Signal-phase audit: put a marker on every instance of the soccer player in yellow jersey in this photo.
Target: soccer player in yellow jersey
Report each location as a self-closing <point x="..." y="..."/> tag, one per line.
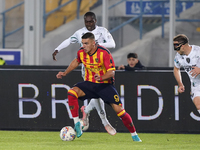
<point x="104" y="38"/>
<point x="99" y="74"/>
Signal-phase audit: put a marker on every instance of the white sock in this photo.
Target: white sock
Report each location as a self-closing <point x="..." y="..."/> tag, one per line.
<point x="100" y="107"/>
<point x="198" y="111"/>
<point x="90" y="106"/>
<point x="76" y="119"/>
<point x="134" y="133"/>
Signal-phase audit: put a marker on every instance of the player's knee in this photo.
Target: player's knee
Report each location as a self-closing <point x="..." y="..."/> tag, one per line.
<point x="198" y="107"/>
<point x="197" y="102"/>
<point x="72" y="93"/>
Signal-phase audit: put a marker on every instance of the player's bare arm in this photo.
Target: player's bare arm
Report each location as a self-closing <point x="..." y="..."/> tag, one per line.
<point x="109" y="74"/>
<point x="73" y="65"/>
<point x="195" y="71"/>
<point x="177" y="75"/>
<point x="54" y="54"/>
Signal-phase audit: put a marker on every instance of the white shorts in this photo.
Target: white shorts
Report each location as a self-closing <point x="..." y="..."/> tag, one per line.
<point x="195" y="91"/>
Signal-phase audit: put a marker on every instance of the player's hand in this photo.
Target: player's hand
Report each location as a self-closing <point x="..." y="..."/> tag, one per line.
<point x="195" y="71"/>
<point x="60" y="75"/>
<point x="181" y="89"/>
<point x="97" y="77"/>
<point x="54" y="54"/>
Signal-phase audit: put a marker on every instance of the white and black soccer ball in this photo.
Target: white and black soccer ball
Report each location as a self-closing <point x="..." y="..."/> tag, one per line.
<point x="84" y="128"/>
<point x="67" y="133"/>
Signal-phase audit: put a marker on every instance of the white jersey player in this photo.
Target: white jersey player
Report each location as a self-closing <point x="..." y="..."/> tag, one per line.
<point x="188" y="57"/>
<point x="104" y="38"/>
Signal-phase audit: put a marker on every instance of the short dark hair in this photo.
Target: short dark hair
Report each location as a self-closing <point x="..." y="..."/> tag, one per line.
<point x="134" y="55"/>
<point x="181" y="38"/>
<point x="88" y="35"/>
<point x="90" y="14"/>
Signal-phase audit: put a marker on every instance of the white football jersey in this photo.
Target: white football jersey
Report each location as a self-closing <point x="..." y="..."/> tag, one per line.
<point x="187" y="62"/>
<point x="102" y="37"/>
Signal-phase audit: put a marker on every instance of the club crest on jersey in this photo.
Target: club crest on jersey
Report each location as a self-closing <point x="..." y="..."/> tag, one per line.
<point x="97" y="60"/>
<point x="188" y="60"/>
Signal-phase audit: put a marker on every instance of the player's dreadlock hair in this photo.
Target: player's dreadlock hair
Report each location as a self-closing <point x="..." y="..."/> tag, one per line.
<point x="181" y="38"/>
<point x="90" y="14"/>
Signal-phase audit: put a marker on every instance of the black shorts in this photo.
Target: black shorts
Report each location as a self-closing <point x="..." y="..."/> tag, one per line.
<point x="105" y="91"/>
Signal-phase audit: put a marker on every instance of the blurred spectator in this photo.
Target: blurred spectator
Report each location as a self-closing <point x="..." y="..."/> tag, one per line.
<point x="2" y="61"/>
<point x="133" y="63"/>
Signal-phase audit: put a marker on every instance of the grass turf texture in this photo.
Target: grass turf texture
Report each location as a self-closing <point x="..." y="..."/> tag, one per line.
<point x="32" y="140"/>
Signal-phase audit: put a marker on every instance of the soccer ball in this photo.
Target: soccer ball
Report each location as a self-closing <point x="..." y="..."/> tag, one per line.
<point x="84" y="128"/>
<point x="67" y="133"/>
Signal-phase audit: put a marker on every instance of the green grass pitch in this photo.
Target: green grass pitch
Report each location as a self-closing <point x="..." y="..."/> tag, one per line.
<point x="40" y="140"/>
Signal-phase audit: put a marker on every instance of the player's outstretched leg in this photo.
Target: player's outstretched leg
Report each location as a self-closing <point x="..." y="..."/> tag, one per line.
<point x="127" y="121"/>
<point x="100" y="107"/>
<point x="98" y="104"/>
